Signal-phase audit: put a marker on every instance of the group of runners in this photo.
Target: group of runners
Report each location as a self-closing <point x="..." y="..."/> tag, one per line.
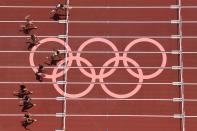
<point x="24" y="94"/>
<point x="57" y="14"/>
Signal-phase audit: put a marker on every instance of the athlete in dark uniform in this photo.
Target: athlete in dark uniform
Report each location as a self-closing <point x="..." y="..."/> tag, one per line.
<point x="22" y="92"/>
<point x="26" y="103"/>
<point x="28" y="120"/>
<point x="28" y="26"/>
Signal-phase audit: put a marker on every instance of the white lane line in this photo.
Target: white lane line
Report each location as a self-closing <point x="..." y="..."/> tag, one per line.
<point x="98" y="115"/>
<point x="2" y="115"/>
<point x="149" y="116"/>
<point x="29" y="67"/>
<point x="120" y="7"/>
<point x="129" y="22"/>
<point x="92" y="67"/>
<point x="79" y="83"/>
<point x="103" y="7"/>
<point x="108" y="36"/>
<point x="33" y="7"/>
<point x="101" y="52"/>
<point x="129" y="37"/>
<point x="100" y="22"/>
<point x="31" y="98"/>
<point x="22" y="21"/>
<point x="25" y="36"/>
<point x="26" y="52"/>
<point x="93" y="7"/>
<point x="92" y="115"/>
<point x="103" y="99"/>
<point x="98" y="83"/>
<point x="120" y="22"/>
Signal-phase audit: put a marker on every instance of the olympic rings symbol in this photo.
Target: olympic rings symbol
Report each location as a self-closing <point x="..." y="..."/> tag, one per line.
<point x="102" y="73"/>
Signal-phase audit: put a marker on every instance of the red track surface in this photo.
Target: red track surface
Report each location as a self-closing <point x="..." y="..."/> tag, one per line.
<point x="105" y="107"/>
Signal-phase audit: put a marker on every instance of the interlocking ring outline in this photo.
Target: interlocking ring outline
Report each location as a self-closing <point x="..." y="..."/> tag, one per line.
<point x="135" y="90"/>
<point x="32" y="54"/>
<point x="55" y="75"/>
<point x="90" y="41"/>
<point x="83" y="93"/>
<point x="101" y="74"/>
<point x="157" y="44"/>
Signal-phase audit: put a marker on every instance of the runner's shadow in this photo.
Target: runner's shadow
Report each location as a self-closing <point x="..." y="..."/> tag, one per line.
<point x="27" y="31"/>
<point x="25" y="108"/>
<point x="57" y="16"/>
<point x="30" y="45"/>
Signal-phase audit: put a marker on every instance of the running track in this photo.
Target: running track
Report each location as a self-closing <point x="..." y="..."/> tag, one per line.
<point x="111" y="114"/>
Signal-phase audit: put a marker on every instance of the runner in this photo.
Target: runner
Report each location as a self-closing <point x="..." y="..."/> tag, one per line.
<point x="59" y="11"/>
<point x="28" y="120"/>
<point x="26" y="103"/>
<point x="55" y="57"/>
<point x="22" y="92"/>
<point x="29" y="25"/>
<point x="41" y="69"/>
<point x="39" y="76"/>
<point x="32" y="41"/>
